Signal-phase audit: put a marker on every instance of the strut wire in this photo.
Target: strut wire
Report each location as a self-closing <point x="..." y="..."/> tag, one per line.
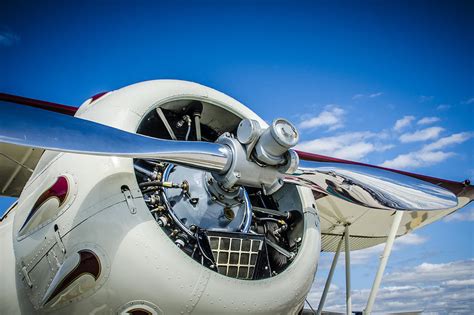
<point x="312" y="309"/>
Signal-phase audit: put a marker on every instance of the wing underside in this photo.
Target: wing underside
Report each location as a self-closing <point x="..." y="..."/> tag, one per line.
<point x="369" y="227"/>
<point x="17" y="163"/>
<point x="16" y="166"/>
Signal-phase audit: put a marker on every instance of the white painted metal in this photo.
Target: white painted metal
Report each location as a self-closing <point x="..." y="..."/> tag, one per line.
<point x="383" y="261"/>
<point x="329" y="279"/>
<point x="348" y="270"/>
<point x="9" y="299"/>
<point x="139" y="260"/>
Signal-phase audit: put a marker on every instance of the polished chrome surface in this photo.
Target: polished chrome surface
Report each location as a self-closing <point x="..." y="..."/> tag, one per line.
<point x="31" y="127"/>
<point x="207" y="211"/>
<point x="275" y="141"/>
<point x="372" y="187"/>
<point x="245" y="172"/>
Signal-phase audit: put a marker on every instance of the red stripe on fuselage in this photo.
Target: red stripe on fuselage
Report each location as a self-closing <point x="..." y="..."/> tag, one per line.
<point x="59" y="108"/>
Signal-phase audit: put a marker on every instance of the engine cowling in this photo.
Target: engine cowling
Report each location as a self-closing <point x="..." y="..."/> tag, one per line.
<point x="118" y="220"/>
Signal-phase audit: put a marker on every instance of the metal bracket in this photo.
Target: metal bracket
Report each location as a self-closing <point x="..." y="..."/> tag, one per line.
<point x="281" y="250"/>
<point x="129" y="199"/>
<point x="24" y="271"/>
<point x="59" y="241"/>
<point x="165" y="122"/>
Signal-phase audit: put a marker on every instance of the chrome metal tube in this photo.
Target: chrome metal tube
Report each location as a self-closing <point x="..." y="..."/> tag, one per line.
<point x="197" y="123"/>
<point x="144" y="171"/>
<point x="188" y="131"/>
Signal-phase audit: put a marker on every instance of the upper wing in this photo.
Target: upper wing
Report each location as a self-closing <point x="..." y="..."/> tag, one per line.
<point x="369" y="227"/>
<point x="17" y="163"/>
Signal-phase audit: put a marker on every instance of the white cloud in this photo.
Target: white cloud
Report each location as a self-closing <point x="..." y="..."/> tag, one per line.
<point x="8" y="38"/>
<point x="417" y="159"/>
<point x="421" y="135"/>
<point x="443" y="107"/>
<point x="428" y="287"/>
<point x="441" y="143"/>
<point x="428" y="272"/>
<point x="456" y="283"/>
<point x="355" y="151"/>
<point x="331" y="117"/>
<point x="354" y="146"/>
<point x="364" y="256"/>
<point x="403" y="122"/>
<point x="424" y="98"/>
<point x="428" y="120"/>
<point x="469" y="101"/>
<point x="432" y="288"/>
<point x="466" y="214"/>
<point x="430" y="154"/>
<point x="372" y="95"/>
<point x="410" y="239"/>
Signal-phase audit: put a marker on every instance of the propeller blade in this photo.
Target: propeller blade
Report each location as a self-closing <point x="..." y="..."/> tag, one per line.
<point x="372" y="187"/>
<point x="363" y="185"/>
<point x="36" y="128"/>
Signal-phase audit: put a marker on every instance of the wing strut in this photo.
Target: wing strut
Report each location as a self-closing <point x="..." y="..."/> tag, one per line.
<point x="329" y="279"/>
<point x="383" y="261"/>
<point x="347" y="251"/>
<point x="397" y="217"/>
<point x="348" y="270"/>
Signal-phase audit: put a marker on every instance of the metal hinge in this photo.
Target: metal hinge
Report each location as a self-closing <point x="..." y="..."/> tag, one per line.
<point x="59" y="241"/>
<point x="25" y="273"/>
<point x="129" y="199"/>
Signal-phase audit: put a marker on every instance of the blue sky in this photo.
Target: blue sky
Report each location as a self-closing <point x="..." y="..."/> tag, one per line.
<point x="345" y="72"/>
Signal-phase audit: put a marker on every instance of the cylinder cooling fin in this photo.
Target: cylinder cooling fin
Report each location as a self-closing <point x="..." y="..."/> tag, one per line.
<point x="238" y="231"/>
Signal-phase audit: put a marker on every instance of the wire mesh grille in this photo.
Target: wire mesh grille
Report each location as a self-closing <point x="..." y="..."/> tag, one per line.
<point x="235" y="257"/>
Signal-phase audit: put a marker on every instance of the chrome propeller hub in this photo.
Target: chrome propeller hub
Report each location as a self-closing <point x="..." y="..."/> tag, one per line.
<point x="204" y="204"/>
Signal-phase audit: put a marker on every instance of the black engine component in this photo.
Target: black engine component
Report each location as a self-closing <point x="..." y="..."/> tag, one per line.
<point x="240" y="255"/>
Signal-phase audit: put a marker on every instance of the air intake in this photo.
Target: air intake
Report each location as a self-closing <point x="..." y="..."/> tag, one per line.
<point x="239" y="255"/>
